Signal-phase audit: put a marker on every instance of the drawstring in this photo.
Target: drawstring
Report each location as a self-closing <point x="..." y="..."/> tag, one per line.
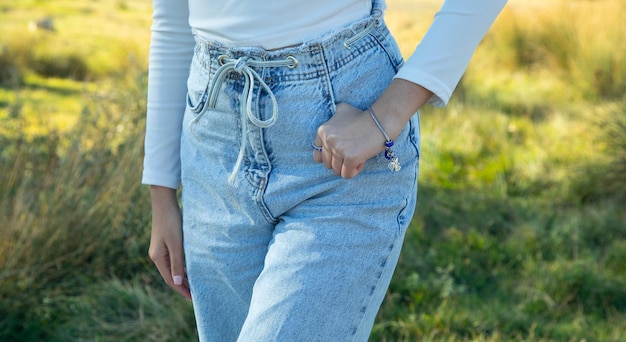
<point x="243" y="66"/>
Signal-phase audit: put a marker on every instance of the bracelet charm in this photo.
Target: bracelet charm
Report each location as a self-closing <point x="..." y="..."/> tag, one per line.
<point x="394" y="163"/>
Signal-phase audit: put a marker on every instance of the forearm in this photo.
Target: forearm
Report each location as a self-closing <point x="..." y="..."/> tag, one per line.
<point x="163" y="199"/>
<point x="437" y="63"/>
<point x="398" y="103"/>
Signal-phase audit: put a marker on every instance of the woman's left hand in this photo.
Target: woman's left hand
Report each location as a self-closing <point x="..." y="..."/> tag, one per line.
<point x="351" y="137"/>
<point x="348" y="139"/>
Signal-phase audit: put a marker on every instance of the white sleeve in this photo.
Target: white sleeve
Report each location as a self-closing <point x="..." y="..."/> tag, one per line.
<point x="171" y="50"/>
<point x="442" y="56"/>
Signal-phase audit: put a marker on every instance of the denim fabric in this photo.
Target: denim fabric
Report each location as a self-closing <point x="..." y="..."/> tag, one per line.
<point x="290" y="251"/>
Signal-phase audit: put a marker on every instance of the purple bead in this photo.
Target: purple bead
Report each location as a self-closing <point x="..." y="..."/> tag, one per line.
<point x="389" y="143"/>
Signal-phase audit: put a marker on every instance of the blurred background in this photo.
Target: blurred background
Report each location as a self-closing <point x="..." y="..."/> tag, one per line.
<point x="520" y="230"/>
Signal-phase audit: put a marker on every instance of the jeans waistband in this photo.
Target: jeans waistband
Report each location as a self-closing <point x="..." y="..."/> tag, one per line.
<point x="246" y="61"/>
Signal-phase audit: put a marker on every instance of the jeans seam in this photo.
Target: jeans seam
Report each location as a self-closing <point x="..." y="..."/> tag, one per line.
<point x="375" y="284"/>
<point x="260" y="201"/>
<point x="328" y="84"/>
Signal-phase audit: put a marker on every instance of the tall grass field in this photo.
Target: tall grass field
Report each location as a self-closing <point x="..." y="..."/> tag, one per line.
<point x="520" y="230"/>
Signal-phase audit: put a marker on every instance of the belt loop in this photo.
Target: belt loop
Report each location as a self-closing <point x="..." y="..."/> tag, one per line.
<point x="364" y="31"/>
<point x="378" y="8"/>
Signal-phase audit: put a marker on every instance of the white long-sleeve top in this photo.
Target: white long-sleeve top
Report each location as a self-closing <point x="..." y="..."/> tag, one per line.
<point x="437" y="63"/>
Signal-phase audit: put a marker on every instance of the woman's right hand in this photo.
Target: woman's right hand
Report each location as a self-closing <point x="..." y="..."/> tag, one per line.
<point x="166" y="240"/>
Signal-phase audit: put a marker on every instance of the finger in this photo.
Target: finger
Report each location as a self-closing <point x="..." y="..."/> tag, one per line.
<point x="183" y="289"/>
<point x="317" y="155"/>
<point x="348" y="172"/>
<point x="179" y="276"/>
<point x="161" y="259"/>
<point x="351" y="167"/>
<point x="159" y="256"/>
<point x="337" y="165"/>
<point x="176" y="265"/>
<point x="327" y="158"/>
<point x="162" y="264"/>
<point x="359" y="167"/>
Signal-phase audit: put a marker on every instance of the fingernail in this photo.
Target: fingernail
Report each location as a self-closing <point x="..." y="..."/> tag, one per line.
<point x="178" y="280"/>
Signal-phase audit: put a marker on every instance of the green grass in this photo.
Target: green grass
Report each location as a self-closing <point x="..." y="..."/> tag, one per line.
<point x="520" y="230"/>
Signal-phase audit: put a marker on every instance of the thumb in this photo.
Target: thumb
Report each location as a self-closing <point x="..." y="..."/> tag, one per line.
<point x="177" y="265"/>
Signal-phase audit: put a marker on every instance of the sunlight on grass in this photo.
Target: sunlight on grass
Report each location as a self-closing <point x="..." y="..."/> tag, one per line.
<point x="578" y="49"/>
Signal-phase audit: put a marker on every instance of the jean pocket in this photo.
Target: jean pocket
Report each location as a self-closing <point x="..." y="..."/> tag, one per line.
<point x="197" y="86"/>
<point x="389" y="45"/>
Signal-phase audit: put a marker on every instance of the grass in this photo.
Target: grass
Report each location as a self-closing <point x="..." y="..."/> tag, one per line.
<point x="520" y="230"/>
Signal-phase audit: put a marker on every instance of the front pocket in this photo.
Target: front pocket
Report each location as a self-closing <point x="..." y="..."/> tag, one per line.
<point x="198" y="86"/>
<point x="197" y="102"/>
<point x="388" y="44"/>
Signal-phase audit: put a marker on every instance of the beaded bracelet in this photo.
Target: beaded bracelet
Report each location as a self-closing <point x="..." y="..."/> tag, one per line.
<point x="394" y="163"/>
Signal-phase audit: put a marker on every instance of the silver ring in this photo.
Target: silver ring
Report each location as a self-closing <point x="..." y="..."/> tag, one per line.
<point x="316" y="148"/>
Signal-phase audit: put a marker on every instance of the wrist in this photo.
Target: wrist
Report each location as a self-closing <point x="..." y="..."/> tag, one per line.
<point x="163" y="197"/>
<point x="398" y="103"/>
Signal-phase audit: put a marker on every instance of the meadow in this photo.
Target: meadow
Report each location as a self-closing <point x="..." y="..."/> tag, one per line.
<point x="520" y="229"/>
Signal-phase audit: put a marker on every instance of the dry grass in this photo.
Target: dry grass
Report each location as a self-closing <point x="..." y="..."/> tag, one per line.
<point x="519" y="234"/>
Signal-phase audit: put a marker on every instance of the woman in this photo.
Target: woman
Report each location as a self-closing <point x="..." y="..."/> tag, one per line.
<point x="292" y="127"/>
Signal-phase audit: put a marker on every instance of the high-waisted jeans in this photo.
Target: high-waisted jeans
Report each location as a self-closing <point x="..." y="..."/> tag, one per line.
<point x="277" y="247"/>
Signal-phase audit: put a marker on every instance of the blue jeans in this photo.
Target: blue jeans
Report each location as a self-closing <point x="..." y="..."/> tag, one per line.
<point x="288" y="251"/>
